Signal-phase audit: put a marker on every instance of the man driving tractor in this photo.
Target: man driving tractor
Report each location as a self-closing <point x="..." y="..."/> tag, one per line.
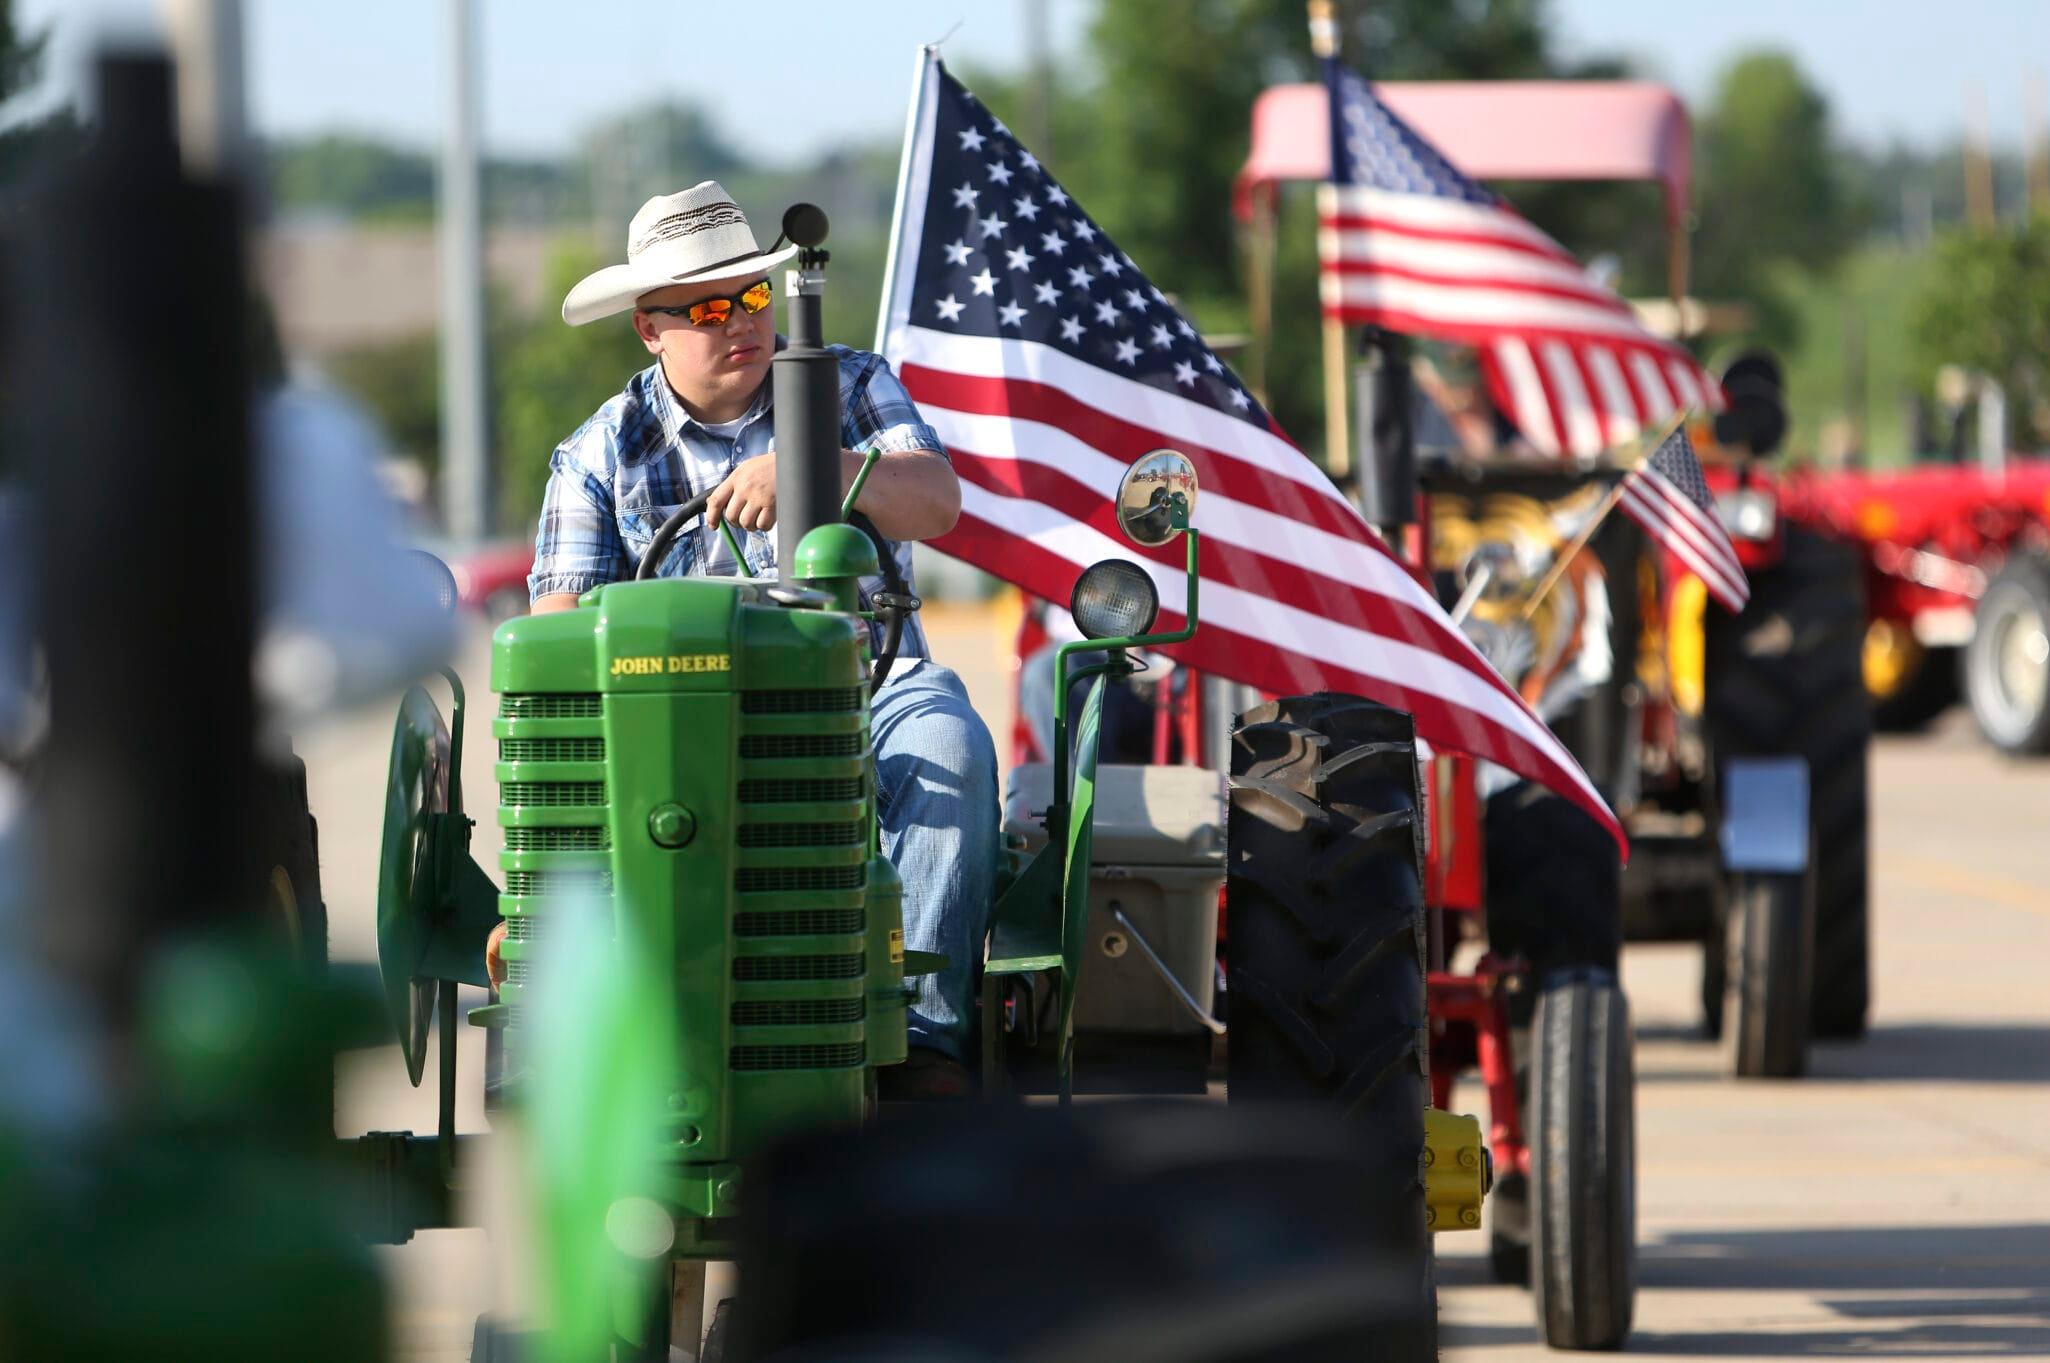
<point x="699" y="289"/>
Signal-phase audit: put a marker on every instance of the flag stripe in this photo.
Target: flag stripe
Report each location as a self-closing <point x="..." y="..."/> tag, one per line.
<point x="1227" y="561"/>
<point x="1240" y="634"/>
<point x="1366" y="207"/>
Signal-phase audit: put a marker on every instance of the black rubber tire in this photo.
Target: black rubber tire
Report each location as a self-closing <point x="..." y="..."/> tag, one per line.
<point x="1934" y="686"/>
<point x="1554" y="880"/>
<point x="1325" y="932"/>
<point x="1771" y="939"/>
<point x="1137" y="1231"/>
<point x="1582" y="1128"/>
<point x="719" y="1338"/>
<point x="1786" y="678"/>
<point x="2018" y="597"/>
<point x="290" y="843"/>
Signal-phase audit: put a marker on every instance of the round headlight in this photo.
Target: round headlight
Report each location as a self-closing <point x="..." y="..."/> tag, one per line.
<point x="1114" y="599"/>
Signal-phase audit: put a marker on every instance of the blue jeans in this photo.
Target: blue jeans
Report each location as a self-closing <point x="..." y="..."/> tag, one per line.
<point x="936" y="796"/>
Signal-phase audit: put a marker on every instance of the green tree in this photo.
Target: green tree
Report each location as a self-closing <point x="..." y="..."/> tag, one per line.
<point x="1772" y="195"/>
<point x="1986" y="306"/>
<point x="23" y="141"/>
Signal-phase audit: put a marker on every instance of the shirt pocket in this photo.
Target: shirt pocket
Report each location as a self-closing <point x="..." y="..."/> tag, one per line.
<point x="637" y="526"/>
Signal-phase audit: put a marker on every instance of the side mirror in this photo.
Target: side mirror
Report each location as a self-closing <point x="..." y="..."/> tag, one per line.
<point x="1157" y="497"/>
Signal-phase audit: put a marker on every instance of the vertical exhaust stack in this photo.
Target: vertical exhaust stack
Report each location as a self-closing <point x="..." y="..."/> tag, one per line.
<point x="807" y="382"/>
<point x="1387" y="433"/>
<point x="126" y="346"/>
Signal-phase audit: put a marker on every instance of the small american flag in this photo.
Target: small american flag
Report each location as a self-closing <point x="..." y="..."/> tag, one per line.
<point x="1048" y="362"/>
<point x="1667" y="495"/>
<point x="1408" y="242"/>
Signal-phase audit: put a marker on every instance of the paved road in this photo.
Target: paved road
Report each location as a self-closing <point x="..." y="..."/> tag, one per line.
<point x="1896" y="1202"/>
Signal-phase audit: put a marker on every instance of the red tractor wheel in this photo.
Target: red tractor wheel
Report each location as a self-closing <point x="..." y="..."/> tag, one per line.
<point x="2007" y="664"/>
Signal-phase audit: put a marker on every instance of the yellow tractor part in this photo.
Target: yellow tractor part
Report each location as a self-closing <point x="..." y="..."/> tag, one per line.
<point x="1457" y="1170"/>
<point x="1686" y="652"/>
<point x="1892" y="657"/>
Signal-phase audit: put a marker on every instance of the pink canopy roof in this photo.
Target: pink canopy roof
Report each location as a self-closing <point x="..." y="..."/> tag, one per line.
<point x="1491" y="130"/>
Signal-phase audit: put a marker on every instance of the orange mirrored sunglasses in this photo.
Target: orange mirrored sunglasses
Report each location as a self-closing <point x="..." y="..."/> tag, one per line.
<point x="716" y="312"/>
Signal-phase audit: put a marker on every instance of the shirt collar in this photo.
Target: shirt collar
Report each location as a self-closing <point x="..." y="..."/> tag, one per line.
<point x="676" y="422"/>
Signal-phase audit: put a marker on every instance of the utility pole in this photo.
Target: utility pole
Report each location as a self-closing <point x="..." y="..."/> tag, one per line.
<point x="1042" y="79"/>
<point x="465" y="475"/>
<point x="2037" y="148"/>
<point x="1979" y="208"/>
<point x="213" y="112"/>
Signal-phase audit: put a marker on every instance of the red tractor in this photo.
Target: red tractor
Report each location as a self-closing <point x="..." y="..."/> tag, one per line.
<point x="1957" y="588"/>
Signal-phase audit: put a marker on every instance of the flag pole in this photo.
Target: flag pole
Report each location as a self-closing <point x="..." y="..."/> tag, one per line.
<point x="1337" y="437"/>
<point x="1594" y="522"/>
<point x="926" y="53"/>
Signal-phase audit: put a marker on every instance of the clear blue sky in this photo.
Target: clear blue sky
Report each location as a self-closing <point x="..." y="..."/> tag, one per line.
<point x="824" y="71"/>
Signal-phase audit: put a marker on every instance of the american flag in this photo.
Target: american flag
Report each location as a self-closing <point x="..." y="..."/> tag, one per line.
<point x="1048" y="362"/>
<point x="1667" y="495"/>
<point x="1407" y="242"/>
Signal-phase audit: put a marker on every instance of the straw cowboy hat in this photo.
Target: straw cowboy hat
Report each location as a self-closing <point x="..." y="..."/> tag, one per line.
<point x="683" y="238"/>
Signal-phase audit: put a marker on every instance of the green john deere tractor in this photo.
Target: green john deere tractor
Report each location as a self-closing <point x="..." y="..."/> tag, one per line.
<point x="705" y="958"/>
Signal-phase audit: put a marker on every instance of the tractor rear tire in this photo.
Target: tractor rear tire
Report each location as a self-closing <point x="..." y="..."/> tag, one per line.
<point x="290" y="855"/>
<point x="1583" y="1216"/>
<point x="1786" y="678"/>
<point x="1325" y="948"/>
<point x="1770" y="949"/>
<point x="2007" y="664"/>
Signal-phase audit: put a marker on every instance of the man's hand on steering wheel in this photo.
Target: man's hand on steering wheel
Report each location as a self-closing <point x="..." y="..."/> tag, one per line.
<point x="748" y="496"/>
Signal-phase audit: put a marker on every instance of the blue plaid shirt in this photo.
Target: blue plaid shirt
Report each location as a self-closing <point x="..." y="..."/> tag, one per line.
<point x="641" y="456"/>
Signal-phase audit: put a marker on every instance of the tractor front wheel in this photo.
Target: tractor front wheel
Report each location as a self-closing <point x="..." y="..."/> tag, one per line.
<point x="2007" y="664"/>
<point x="1769" y="948"/>
<point x="1583" y="1214"/>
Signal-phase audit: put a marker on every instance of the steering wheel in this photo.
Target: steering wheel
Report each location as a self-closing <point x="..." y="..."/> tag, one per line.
<point x="892" y="605"/>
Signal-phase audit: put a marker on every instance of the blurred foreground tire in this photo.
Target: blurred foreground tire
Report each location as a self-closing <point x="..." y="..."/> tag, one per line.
<point x="1126" y="1233"/>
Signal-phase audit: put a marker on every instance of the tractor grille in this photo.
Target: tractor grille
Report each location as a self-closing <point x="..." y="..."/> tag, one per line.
<point x="800" y="792"/>
<point x="553" y="794"/>
<point x="547" y="867"/>
<point x="799" y="923"/>
<point x="558" y="882"/>
<point x="839" y="1056"/>
<point x="551" y="750"/>
<point x="773" y="746"/>
<point x="596" y="839"/>
<point x="770" y="879"/>
<point x="565" y="706"/>
<point x="851" y="966"/>
<point x="806" y="748"/>
<point x="802" y="702"/>
<point x="798" y="1012"/>
<point x="800" y="835"/>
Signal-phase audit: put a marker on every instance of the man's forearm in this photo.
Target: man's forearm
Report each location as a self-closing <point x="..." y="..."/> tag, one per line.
<point x="910" y="495"/>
